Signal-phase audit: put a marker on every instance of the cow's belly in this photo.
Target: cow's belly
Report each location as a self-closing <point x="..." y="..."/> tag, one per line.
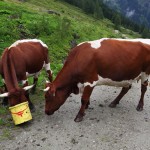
<point x="123" y="83"/>
<point x="110" y="82"/>
<point x="32" y="74"/>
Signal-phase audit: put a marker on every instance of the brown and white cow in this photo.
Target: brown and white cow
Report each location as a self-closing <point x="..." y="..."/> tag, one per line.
<point x="22" y="59"/>
<point x="113" y="62"/>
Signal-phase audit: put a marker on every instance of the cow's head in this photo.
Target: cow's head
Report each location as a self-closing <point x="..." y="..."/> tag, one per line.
<point x="16" y="96"/>
<point x="54" y="97"/>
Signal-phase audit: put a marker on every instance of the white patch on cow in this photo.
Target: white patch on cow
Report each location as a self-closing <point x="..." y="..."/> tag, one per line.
<point x="91" y="84"/>
<point x="109" y="82"/>
<point x="33" y="74"/>
<point x="144" y="77"/>
<point x="29" y="74"/>
<point x="97" y="44"/>
<point x="94" y="44"/>
<point x="27" y="40"/>
<point x="81" y="87"/>
<point x="81" y="43"/>
<point x="47" y="67"/>
<point x="24" y="81"/>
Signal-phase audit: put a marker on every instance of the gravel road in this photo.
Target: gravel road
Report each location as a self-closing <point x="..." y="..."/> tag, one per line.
<point x="103" y="128"/>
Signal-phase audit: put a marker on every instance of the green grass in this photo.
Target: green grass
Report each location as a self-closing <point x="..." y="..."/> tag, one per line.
<point x="31" y="20"/>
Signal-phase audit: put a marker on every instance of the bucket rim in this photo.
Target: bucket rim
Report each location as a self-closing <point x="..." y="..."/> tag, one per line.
<point x="12" y="107"/>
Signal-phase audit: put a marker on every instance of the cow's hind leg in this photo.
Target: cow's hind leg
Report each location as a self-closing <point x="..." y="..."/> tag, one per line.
<point x="143" y="90"/>
<point x="84" y="103"/>
<point x="48" y="71"/>
<point x="31" y="106"/>
<point x="119" y="97"/>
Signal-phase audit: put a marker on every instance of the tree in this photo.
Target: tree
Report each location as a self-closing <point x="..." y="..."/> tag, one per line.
<point x="98" y="12"/>
<point x="88" y="6"/>
<point x="145" y="33"/>
<point x="117" y="20"/>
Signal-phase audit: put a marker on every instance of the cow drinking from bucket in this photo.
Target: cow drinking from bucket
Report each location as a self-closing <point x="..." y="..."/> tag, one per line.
<point x="20" y="60"/>
<point x="113" y="62"/>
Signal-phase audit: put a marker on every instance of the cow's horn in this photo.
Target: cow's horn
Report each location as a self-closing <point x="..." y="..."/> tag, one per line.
<point x="4" y="94"/>
<point x="47" y="81"/>
<point x="28" y="87"/>
<point x="45" y="90"/>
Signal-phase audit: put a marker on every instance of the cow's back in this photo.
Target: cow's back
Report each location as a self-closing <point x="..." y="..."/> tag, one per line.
<point x="29" y="57"/>
<point x="119" y="60"/>
<point x="113" y="59"/>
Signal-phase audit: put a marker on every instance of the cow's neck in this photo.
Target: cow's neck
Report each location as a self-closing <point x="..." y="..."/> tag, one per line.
<point x="65" y="79"/>
<point x="9" y="71"/>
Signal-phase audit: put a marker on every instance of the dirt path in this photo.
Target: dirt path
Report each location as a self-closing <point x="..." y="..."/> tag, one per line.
<point x="103" y="128"/>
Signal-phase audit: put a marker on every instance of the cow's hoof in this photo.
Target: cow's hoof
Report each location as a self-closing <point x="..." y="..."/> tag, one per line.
<point x="32" y="107"/>
<point x="47" y="112"/>
<point x="112" y="105"/>
<point x="139" y="108"/>
<point x="78" y="118"/>
<point x="87" y="106"/>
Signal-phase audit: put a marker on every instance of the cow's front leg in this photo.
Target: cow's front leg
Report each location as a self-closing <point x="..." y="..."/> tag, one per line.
<point x="87" y="105"/>
<point x="119" y="97"/>
<point x="5" y="99"/>
<point x="141" y="102"/>
<point x="31" y="106"/>
<point x="35" y="80"/>
<point x="84" y="103"/>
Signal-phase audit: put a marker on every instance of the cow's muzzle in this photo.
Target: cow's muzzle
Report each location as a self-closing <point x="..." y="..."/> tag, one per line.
<point x="49" y="112"/>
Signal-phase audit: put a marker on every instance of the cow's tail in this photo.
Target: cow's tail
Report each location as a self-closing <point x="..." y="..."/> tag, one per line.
<point x="9" y="71"/>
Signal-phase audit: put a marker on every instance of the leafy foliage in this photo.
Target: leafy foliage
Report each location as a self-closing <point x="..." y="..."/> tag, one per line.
<point x="99" y="10"/>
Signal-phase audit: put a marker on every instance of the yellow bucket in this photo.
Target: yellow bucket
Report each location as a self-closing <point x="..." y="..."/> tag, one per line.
<point x="20" y="113"/>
